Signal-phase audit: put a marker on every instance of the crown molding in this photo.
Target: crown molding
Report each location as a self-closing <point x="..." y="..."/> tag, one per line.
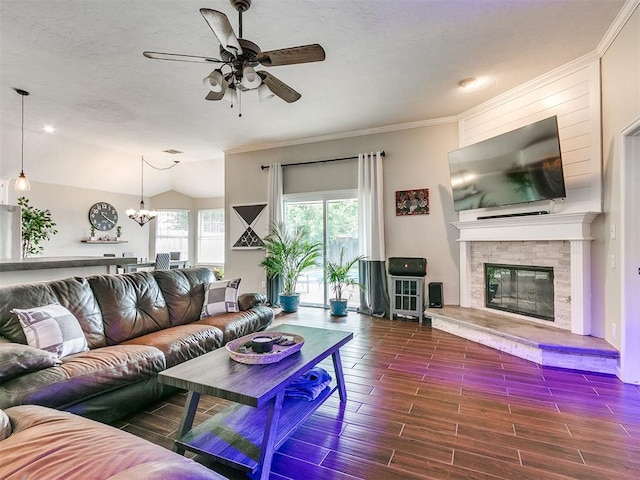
<point x="342" y="135"/>
<point x="623" y="17"/>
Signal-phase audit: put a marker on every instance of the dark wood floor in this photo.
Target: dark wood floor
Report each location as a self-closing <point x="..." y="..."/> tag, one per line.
<point x="426" y="404"/>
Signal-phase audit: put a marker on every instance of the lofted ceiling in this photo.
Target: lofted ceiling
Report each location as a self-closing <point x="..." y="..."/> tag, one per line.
<point x="388" y="62"/>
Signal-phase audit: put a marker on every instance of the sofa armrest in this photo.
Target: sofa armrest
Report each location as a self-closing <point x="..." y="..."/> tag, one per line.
<point x="250" y="300"/>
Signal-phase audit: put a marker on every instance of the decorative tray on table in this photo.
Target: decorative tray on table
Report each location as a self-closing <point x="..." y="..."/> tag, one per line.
<point x="283" y="344"/>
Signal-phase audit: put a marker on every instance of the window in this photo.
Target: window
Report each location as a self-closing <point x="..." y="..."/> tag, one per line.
<point x="211" y="236"/>
<point x="172" y="232"/>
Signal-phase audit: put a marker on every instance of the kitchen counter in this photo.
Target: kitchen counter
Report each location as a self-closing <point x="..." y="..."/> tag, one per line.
<point x="40" y="269"/>
<point x="45" y="263"/>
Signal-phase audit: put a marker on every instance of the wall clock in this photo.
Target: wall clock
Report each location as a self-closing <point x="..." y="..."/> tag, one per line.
<point x="103" y="216"/>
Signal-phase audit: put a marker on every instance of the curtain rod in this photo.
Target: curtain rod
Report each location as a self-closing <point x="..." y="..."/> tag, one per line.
<point x="266" y="167"/>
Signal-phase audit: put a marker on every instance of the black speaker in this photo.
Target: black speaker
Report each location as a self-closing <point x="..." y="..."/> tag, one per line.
<point x="435" y="295"/>
<point x="408" y="266"/>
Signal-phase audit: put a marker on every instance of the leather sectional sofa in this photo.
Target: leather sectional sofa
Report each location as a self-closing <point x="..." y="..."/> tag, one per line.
<point x="135" y="325"/>
<point x="40" y="443"/>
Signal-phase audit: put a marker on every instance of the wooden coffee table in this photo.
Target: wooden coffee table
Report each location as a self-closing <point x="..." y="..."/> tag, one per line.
<point x="246" y="434"/>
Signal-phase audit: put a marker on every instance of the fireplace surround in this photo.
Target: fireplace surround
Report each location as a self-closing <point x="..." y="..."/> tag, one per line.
<point x="560" y="241"/>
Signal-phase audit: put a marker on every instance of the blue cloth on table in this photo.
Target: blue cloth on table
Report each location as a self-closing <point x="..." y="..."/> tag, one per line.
<point x="309" y="385"/>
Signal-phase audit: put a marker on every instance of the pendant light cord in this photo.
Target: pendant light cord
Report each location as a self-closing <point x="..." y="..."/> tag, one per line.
<point x="142" y="180"/>
<point x="22" y="140"/>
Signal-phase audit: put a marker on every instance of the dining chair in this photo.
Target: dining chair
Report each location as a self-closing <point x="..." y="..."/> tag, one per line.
<point x="175" y="255"/>
<point x="109" y="255"/>
<point x="163" y="261"/>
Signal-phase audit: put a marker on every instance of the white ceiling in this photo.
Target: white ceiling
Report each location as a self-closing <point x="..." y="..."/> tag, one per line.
<point x="388" y="62"/>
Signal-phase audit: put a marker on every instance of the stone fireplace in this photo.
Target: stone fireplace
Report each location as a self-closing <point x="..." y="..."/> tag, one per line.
<point x="541" y="253"/>
<point x="559" y="242"/>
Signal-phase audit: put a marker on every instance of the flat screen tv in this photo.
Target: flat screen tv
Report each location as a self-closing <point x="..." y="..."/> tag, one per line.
<point x="520" y="166"/>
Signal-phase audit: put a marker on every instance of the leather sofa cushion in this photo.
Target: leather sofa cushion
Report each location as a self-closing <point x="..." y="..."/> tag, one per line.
<point x="236" y="325"/>
<point x="183" y="342"/>
<point x="49" y="444"/>
<point x="183" y="290"/>
<point x="82" y="376"/>
<point x="132" y="305"/>
<point x="16" y="359"/>
<point x="72" y="293"/>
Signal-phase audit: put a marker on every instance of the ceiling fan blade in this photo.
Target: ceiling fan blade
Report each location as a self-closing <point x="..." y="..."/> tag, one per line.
<point x="215" y="95"/>
<point x="221" y="28"/>
<point x="289" y="56"/>
<point x="282" y="90"/>
<point x="180" y="58"/>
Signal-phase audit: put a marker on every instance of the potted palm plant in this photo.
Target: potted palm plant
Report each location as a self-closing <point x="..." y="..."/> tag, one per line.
<point x="337" y="276"/>
<point x="289" y="252"/>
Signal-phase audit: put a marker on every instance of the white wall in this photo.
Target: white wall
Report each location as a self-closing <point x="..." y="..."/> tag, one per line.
<point x="620" y="107"/>
<point x="70" y="208"/>
<point x="70" y="211"/>
<point x="416" y="158"/>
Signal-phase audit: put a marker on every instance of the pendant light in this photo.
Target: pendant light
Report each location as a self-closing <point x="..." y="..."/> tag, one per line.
<point x="22" y="183"/>
<point x="142" y="215"/>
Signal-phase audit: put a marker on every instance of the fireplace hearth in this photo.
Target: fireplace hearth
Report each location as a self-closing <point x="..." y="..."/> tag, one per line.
<point x="525" y="290"/>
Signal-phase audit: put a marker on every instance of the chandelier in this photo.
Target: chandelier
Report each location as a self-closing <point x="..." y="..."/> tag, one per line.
<point x="142" y="215"/>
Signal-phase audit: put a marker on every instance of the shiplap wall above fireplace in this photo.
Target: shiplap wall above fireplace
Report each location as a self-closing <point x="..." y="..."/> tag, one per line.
<point x="573" y="94"/>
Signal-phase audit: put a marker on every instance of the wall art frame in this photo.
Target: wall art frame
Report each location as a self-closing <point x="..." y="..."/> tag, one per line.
<point x="412" y="202"/>
<point x="248" y="225"/>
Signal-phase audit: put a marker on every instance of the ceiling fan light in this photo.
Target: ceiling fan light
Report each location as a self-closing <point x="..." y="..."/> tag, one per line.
<point x="230" y="95"/>
<point x="264" y="93"/>
<point x="214" y="81"/>
<point x="250" y="79"/>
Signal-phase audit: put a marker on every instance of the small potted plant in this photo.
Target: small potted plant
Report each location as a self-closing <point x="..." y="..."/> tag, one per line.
<point x="92" y="234"/>
<point x="118" y="232"/>
<point x="337" y="276"/>
<point x="218" y="272"/>
<point x="289" y="253"/>
<point x="37" y="227"/>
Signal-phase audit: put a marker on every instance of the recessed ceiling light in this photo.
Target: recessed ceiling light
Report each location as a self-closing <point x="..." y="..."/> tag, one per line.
<point x="49" y="129"/>
<point x="467" y="82"/>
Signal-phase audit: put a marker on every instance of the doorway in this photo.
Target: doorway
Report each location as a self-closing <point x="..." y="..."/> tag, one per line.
<point x="630" y="254"/>
<point x="332" y="219"/>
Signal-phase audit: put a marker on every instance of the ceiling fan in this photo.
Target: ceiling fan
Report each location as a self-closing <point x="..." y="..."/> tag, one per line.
<point x="235" y="73"/>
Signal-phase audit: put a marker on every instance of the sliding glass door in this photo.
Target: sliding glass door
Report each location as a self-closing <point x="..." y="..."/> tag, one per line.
<point x="332" y="219"/>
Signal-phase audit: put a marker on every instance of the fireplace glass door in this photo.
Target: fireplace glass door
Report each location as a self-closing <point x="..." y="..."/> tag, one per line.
<point x="520" y="289"/>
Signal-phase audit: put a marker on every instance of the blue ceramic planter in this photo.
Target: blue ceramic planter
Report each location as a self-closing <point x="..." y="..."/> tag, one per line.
<point x="338" y="307"/>
<point x="289" y="303"/>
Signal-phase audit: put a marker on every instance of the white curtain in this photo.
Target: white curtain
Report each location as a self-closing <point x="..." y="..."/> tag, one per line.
<point x="274" y="193"/>
<point x="374" y="298"/>
<point x="275" y="210"/>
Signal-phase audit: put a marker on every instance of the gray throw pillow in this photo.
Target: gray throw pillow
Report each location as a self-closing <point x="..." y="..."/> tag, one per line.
<point x="220" y="297"/>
